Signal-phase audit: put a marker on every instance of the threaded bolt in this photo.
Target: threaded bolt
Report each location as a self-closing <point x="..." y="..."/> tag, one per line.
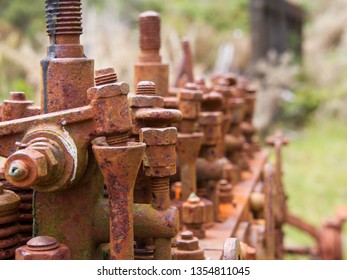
<point x="64" y="17"/>
<point x="105" y="76"/>
<point x="150" y="31"/>
<point x="145" y="88"/>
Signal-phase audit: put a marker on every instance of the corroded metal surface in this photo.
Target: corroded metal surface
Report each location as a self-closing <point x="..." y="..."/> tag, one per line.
<point x="43" y="248"/>
<point x="149" y="66"/>
<point x="187" y="247"/>
<point x="91" y="134"/>
<point x="9" y="227"/>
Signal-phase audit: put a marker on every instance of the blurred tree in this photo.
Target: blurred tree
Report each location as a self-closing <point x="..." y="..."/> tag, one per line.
<point x="24" y="15"/>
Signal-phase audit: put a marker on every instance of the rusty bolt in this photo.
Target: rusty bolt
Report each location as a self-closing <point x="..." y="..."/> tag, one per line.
<point x="160" y="156"/>
<point x="147" y="109"/>
<point x="149" y="66"/>
<point x="145" y="88"/>
<point x="26" y="167"/>
<point x="105" y="76"/>
<point x="188" y="247"/>
<point x="145" y="97"/>
<point x="40" y="161"/>
<point x="211" y="126"/>
<point x="110" y="103"/>
<point x="187" y="242"/>
<point x="190" y="99"/>
<point x="43" y="248"/>
<point x="193" y="211"/>
<point x="150" y="31"/>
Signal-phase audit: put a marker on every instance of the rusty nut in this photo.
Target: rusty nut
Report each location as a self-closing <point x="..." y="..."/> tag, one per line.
<point x="160" y="155"/>
<point x="108" y="90"/>
<point x="111" y="109"/>
<point x="187" y="242"/>
<point x="211" y="126"/>
<point x="26" y="168"/>
<point x="190" y="99"/>
<point x="193" y="211"/>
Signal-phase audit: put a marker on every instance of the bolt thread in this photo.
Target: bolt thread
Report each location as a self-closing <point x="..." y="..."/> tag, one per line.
<point x="105" y="76"/>
<point x="63" y="17"/>
<point x="160" y="185"/>
<point x="116" y="140"/>
<point x="146" y="88"/>
<point x="150" y="31"/>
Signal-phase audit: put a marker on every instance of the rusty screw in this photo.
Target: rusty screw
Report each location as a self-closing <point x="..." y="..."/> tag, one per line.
<point x="43" y="248"/>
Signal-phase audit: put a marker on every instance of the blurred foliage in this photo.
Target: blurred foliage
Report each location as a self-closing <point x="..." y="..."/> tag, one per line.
<point x="306" y="101"/>
<point x="221" y="15"/>
<point x="24" y="15"/>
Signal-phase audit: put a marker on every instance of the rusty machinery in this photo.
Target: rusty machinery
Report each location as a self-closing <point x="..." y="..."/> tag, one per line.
<point x="327" y="237"/>
<point x="91" y="174"/>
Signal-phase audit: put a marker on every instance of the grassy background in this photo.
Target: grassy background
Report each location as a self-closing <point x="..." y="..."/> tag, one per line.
<point x="315" y="175"/>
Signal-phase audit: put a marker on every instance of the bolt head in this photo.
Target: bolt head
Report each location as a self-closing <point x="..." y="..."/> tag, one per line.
<point x="193" y="213"/>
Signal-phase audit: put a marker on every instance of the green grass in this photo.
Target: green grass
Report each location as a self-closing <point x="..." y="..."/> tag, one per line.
<point x="315" y="175"/>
